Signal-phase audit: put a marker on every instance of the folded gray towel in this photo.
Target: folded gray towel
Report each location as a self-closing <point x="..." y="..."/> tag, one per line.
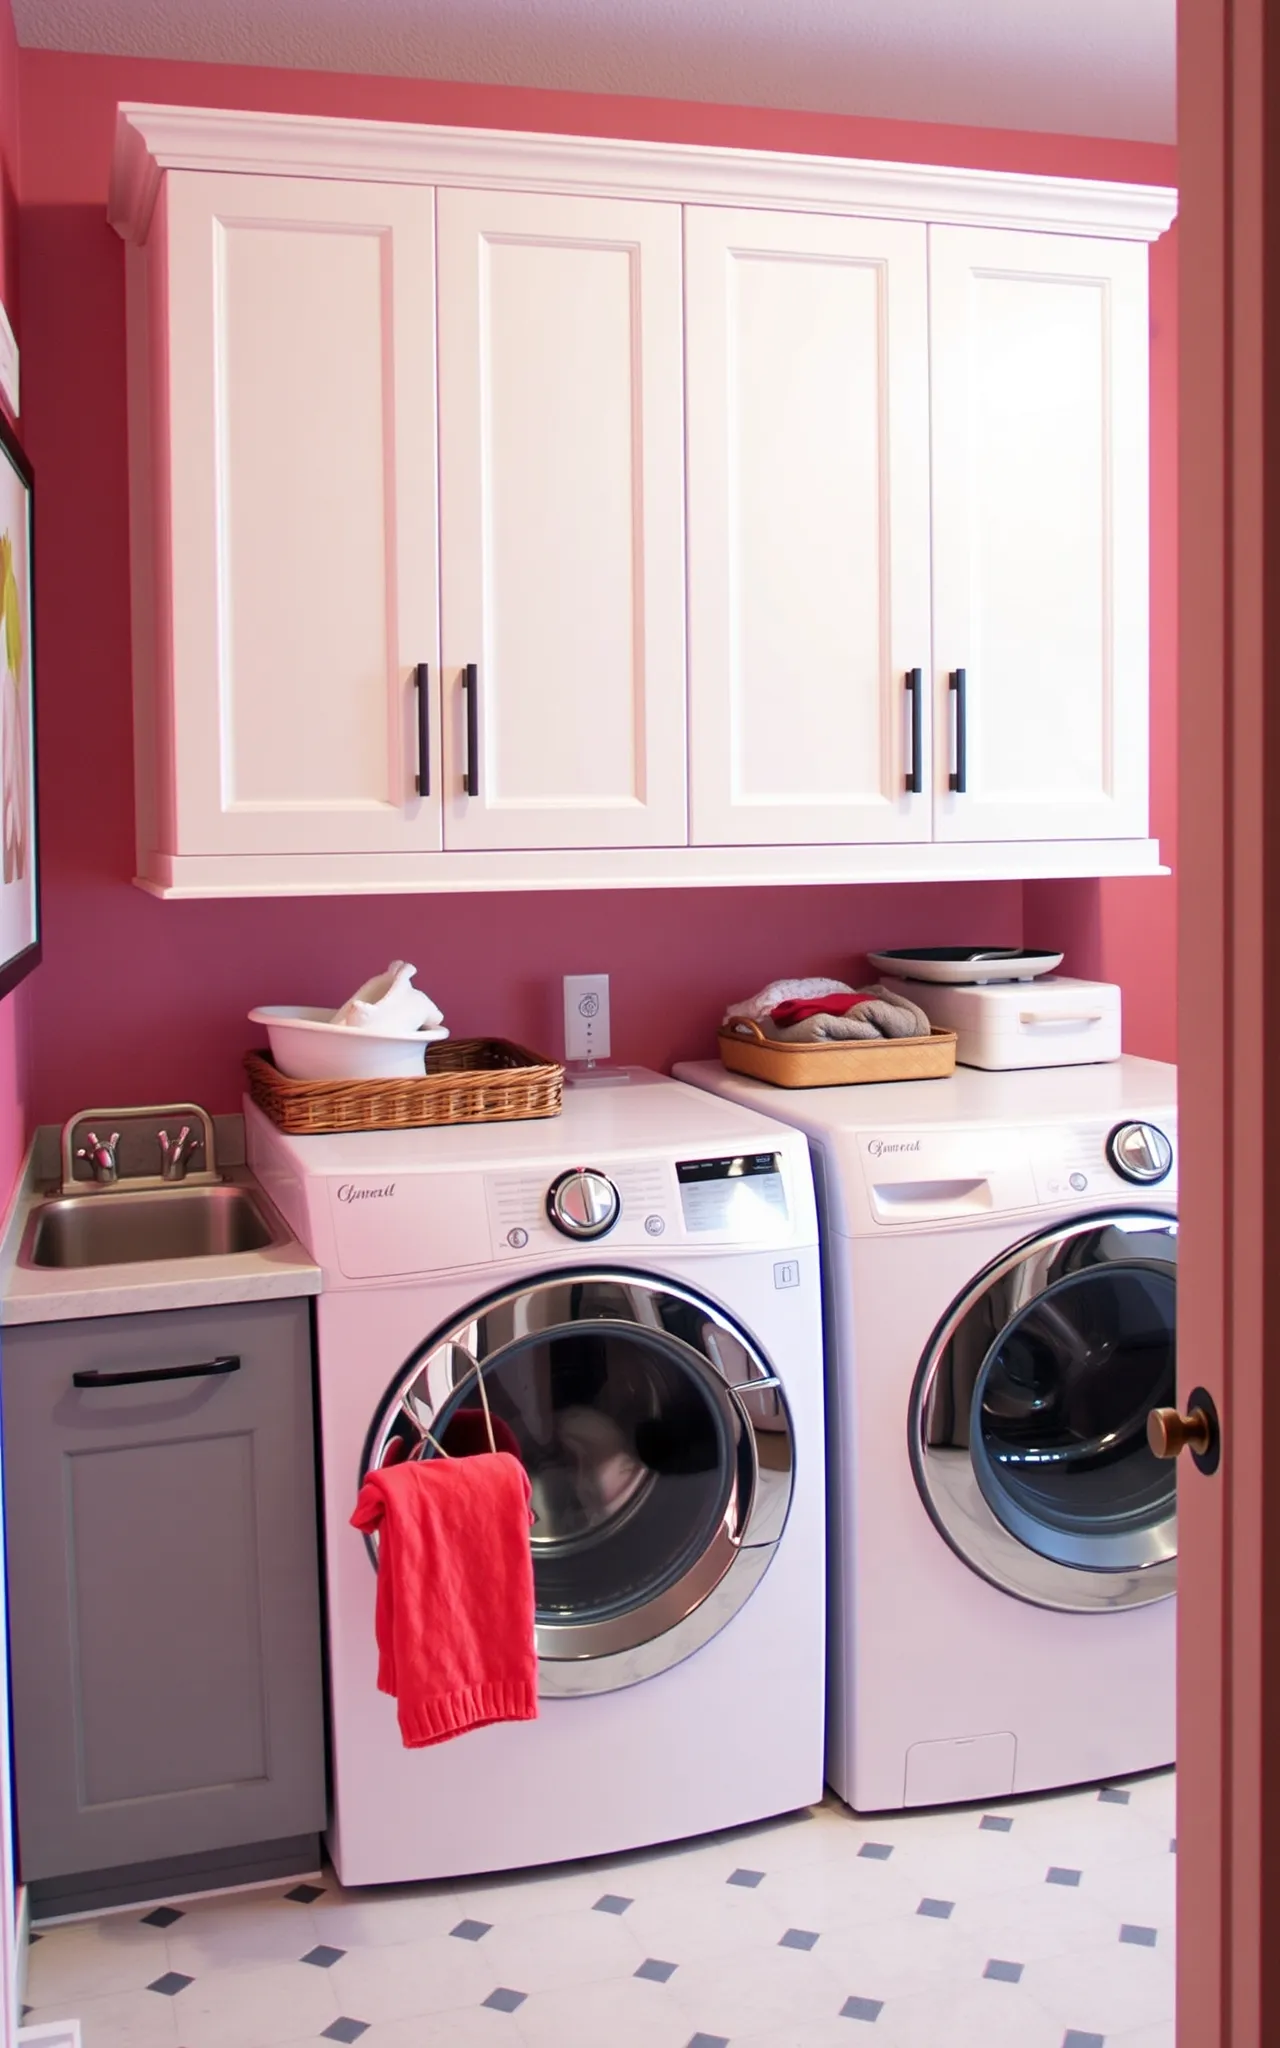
<point x="889" y="1016"/>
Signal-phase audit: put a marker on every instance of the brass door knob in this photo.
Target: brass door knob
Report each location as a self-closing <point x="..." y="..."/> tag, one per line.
<point x="1168" y="1432"/>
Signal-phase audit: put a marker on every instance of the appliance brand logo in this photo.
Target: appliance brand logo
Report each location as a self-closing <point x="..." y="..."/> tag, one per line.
<point x="348" y="1192"/>
<point x="879" y="1147"/>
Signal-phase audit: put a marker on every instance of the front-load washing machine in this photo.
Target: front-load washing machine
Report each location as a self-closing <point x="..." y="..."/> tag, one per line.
<point x="637" y="1284"/>
<point x="1000" y="1254"/>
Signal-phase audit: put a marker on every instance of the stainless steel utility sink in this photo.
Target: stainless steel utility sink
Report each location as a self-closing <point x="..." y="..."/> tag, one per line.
<point x="120" y="1228"/>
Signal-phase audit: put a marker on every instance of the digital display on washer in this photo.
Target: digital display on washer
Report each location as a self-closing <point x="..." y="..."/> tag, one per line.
<point x="742" y="1193"/>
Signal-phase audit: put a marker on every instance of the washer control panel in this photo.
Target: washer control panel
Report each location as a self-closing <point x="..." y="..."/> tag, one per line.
<point x="583" y="1203"/>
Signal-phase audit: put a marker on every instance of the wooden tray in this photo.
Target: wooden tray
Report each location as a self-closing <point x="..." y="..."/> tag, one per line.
<point x="838" y="1062"/>
<point x="467" y="1081"/>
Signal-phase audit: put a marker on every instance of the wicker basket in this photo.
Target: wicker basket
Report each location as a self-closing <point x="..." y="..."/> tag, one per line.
<point x="835" y="1062"/>
<point x="467" y="1081"/>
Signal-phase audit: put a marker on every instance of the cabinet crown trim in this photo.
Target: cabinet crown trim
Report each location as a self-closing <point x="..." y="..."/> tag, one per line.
<point x="151" y="140"/>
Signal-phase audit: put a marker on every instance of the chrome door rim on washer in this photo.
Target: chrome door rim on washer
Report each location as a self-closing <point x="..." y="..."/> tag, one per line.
<point x="733" y="1379"/>
<point x="1106" y="1576"/>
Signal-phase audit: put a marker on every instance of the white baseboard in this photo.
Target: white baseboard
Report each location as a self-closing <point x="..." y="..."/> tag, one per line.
<point x="50" y="2034"/>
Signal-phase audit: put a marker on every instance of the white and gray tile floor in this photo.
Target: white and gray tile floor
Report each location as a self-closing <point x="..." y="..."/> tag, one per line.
<point x="1041" y="1923"/>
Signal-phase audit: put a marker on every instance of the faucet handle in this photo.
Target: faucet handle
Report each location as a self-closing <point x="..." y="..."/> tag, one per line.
<point x="175" y="1153"/>
<point x="100" y="1154"/>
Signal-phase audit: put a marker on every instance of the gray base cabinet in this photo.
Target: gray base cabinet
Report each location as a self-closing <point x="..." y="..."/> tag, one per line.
<point x="163" y="1585"/>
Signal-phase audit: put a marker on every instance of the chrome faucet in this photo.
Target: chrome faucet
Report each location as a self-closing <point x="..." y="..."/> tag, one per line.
<point x="90" y="1162"/>
<point x="175" y="1153"/>
<point x="101" y="1156"/>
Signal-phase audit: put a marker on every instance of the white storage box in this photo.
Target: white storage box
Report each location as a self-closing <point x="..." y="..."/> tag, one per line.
<point x="1053" y="1022"/>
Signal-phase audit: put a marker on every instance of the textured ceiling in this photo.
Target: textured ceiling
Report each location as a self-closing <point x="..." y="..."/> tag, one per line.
<point x="1083" y="67"/>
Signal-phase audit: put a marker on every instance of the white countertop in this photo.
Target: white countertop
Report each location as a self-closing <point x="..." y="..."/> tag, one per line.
<point x="59" y="1294"/>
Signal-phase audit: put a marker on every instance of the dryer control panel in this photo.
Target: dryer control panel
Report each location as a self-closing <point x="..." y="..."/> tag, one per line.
<point x="931" y="1177"/>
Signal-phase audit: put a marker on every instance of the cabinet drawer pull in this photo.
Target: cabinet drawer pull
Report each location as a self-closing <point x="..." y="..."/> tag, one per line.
<point x="422" y="679"/>
<point x="471" y="684"/>
<point x="163" y="1372"/>
<point x="960" y="773"/>
<point x="915" y="684"/>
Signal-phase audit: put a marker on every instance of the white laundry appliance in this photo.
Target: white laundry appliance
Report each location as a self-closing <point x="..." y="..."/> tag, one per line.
<point x="638" y="1283"/>
<point x="1000" y="1262"/>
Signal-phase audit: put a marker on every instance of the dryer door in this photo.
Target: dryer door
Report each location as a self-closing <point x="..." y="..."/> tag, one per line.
<point x="1029" y="1414"/>
<point x="658" y="1448"/>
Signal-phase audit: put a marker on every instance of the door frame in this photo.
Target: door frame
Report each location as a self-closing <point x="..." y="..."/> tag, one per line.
<point x="1229" y="945"/>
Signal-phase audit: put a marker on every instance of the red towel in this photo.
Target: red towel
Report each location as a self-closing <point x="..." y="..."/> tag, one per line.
<point x="454" y="1614"/>
<point x="799" y="1007"/>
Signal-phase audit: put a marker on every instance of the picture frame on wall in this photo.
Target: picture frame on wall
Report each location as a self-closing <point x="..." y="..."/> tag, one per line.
<point x="19" y="849"/>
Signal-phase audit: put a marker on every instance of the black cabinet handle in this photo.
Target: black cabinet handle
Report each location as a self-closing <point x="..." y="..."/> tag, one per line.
<point x="164" y="1372"/>
<point x="422" y="679"/>
<point x="960" y="773"/>
<point x="915" y="685"/>
<point x="471" y="684"/>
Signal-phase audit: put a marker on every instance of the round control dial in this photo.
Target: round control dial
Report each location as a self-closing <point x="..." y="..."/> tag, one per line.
<point x="583" y="1203"/>
<point x="1140" y="1153"/>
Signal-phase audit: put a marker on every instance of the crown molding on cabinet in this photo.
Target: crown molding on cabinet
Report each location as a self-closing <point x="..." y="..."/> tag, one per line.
<point x="650" y="867"/>
<point x="153" y="139"/>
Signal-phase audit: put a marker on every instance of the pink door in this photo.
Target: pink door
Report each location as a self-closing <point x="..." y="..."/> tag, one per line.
<point x="1229" y="879"/>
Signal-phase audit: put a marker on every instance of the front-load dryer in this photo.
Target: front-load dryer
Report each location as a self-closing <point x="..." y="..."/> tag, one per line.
<point x="1000" y="1254"/>
<point x="633" y="1289"/>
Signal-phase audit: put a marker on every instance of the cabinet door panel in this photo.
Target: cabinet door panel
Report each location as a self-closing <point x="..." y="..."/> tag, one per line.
<point x="301" y="394"/>
<point x="808" y="405"/>
<point x="561" y="519"/>
<point x="200" y="1721"/>
<point x="164" y="1588"/>
<point x="1040" y="431"/>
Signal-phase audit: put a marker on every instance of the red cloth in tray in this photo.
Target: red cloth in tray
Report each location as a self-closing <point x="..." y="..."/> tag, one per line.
<point x="454" y="1612"/>
<point x="799" y="1007"/>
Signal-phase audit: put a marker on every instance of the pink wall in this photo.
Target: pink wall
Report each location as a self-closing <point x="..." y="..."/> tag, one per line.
<point x="139" y="998"/>
<point x="13" y="1009"/>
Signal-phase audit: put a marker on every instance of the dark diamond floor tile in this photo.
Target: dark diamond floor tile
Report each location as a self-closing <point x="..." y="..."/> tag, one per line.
<point x="323" y="1957"/>
<point x="881" y="1851"/>
<point x="345" y="2029"/>
<point x="996" y="1823"/>
<point x="798" y="1937"/>
<point x="302" y="1894"/>
<point x="1004" y="1973"/>
<point x="862" y="2008"/>
<point x="471" y="1930"/>
<point x="936" y="1909"/>
<point x="504" y="1999"/>
<point x="1141" y="1937"/>
<point x="655" y="1971"/>
<point x="749" y="1878"/>
<point x="1073" y="2038"/>
<point x="1114" y="1795"/>
<point x="171" y="1983"/>
<point x="707" y="2041"/>
<point x="1055" y="1874"/>
<point x="612" y="1902"/>
<point x="34" y="1936"/>
<point x="164" y="1916"/>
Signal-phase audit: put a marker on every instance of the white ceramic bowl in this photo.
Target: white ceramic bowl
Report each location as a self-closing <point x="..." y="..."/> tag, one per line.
<point x="307" y="1045"/>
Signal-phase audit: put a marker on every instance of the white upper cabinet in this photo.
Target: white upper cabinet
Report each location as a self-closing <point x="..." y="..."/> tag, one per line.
<point x="562" y="529"/>
<point x="808" y="481"/>
<point x="536" y="511"/>
<point x="292" y="365"/>
<point x="1040" y="408"/>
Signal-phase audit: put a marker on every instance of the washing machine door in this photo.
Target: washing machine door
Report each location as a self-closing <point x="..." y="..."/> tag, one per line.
<point x="1029" y="1413"/>
<point x="658" y="1446"/>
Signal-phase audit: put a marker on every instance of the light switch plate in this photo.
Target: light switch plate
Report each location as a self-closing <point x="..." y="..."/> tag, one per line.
<point x="586" y="1016"/>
